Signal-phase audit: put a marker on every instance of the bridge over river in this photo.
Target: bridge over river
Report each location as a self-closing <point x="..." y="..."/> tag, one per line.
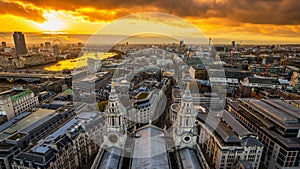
<point x="29" y="77"/>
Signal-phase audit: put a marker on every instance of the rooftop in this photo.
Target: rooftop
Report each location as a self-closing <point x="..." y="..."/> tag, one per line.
<point x="21" y="95"/>
<point x="68" y="91"/>
<point x="17" y="136"/>
<point x="236" y="126"/>
<point x="110" y="159"/>
<point x="36" y="159"/>
<point x="266" y="117"/>
<point x="142" y="95"/>
<point x="251" y="142"/>
<point x="94" y="77"/>
<point x="189" y="159"/>
<point x="15" y="94"/>
<point x="263" y="80"/>
<point x="38" y="123"/>
<point x="4" y="145"/>
<point x="150" y="149"/>
<point x="226" y="126"/>
<point x="26" y="122"/>
<point x="61" y="131"/>
<point x="13" y="121"/>
<point x="276" y="110"/>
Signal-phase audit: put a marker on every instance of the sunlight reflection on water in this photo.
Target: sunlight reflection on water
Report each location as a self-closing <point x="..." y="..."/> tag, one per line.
<point x="77" y="62"/>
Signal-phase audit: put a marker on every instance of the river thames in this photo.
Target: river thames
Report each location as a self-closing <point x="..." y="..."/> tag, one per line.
<point x="70" y="64"/>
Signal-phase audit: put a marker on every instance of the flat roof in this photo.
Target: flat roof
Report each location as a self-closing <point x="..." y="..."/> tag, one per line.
<point x="26" y="122"/>
<point x="15" y="93"/>
<point x="142" y="95"/>
<point x="275" y="110"/>
<point x="21" y="94"/>
<point x="68" y="91"/>
<point x="288" y="108"/>
<point x="223" y="80"/>
<point x="17" y="136"/>
<point x="4" y="145"/>
<point x="263" y="80"/>
<point x="13" y="121"/>
<point x="94" y="77"/>
<point x="287" y="142"/>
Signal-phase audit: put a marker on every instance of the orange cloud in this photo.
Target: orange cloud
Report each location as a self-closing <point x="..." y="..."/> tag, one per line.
<point x="223" y="18"/>
<point x="245" y="11"/>
<point x="24" y="11"/>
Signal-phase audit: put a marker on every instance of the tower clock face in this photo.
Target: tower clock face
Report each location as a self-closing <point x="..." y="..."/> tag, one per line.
<point x="113" y="138"/>
<point x="187" y="138"/>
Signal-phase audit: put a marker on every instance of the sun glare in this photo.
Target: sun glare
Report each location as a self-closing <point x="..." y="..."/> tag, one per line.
<point x="53" y="22"/>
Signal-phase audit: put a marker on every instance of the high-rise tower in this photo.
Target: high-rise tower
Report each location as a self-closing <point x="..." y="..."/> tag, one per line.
<point x="20" y="45"/>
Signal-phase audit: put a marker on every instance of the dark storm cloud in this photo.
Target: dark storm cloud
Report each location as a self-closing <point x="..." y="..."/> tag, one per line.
<point x="22" y="11"/>
<point x="245" y="11"/>
<point x="262" y="11"/>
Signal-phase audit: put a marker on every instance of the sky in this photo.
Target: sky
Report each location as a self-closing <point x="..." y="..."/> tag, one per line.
<point x="267" y="21"/>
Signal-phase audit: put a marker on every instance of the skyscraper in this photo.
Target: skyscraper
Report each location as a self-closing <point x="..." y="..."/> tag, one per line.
<point x="20" y="45"/>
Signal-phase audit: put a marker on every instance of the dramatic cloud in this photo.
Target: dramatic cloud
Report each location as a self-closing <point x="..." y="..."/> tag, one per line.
<point x="281" y="12"/>
<point x="21" y="11"/>
<point x="94" y="15"/>
<point x="223" y="18"/>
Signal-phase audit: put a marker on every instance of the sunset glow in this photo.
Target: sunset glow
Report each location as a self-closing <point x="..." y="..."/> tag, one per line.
<point x="52" y="23"/>
<point x="223" y="19"/>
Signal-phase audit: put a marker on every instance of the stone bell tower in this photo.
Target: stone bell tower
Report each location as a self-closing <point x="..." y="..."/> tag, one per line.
<point x="115" y="128"/>
<point x="184" y="134"/>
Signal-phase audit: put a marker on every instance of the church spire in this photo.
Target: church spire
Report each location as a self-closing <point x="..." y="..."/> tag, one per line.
<point x="185" y="122"/>
<point x="116" y="130"/>
<point x="113" y="94"/>
<point x="187" y="97"/>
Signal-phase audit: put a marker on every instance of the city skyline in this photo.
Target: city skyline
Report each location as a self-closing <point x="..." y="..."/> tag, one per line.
<point x="191" y="84"/>
<point x="256" y="22"/>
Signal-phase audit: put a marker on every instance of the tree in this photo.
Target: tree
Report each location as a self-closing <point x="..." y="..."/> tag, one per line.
<point x="102" y="105"/>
